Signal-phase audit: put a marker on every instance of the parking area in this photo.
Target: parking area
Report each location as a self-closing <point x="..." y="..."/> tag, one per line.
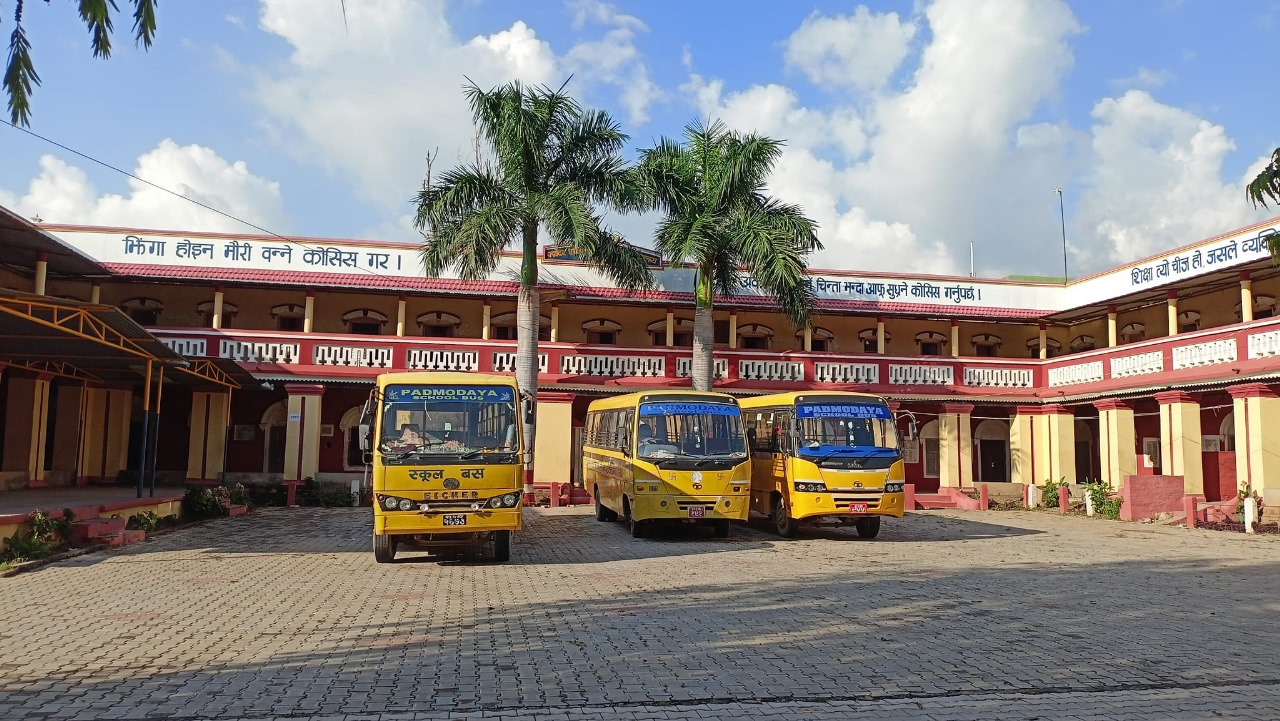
<point x="1021" y="615"/>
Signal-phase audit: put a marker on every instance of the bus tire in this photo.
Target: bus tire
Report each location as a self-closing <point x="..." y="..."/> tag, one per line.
<point x="721" y="527"/>
<point x="604" y="515"/>
<point x="639" y="529"/>
<point x="384" y="548"/>
<point x="867" y="527"/>
<point x="502" y="546"/>
<point x="783" y="523"/>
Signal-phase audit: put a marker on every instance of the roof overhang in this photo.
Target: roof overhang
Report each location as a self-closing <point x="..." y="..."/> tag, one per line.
<point x="24" y="244"/>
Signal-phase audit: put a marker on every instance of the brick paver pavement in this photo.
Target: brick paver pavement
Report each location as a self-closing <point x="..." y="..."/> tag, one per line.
<point x="948" y="615"/>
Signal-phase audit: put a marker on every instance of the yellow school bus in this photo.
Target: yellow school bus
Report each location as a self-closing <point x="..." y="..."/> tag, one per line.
<point x="818" y="455"/>
<point x="445" y="453"/>
<point x="667" y="456"/>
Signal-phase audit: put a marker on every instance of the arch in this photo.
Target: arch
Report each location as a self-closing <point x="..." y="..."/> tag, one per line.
<point x="1188" y="321"/>
<point x="1227" y="429"/>
<point x="1133" y="332"/>
<point x="929" y="430"/>
<point x="602" y="325"/>
<point x="755" y="330"/>
<point x="986" y="339"/>
<point x="350" y="427"/>
<point x="143" y="311"/>
<point x="679" y="324"/>
<point x="870" y="334"/>
<point x="364" y="315"/>
<point x="438" y="318"/>
<point x="991" y="438"/>
<point x="819" y="333"/>
<point x="288" y="310"/>
<point x="931" y="452"/>
<point x="992" y="429"/>
<point x="1083" y="430"/>
<point x="508" y="320"/>
<point x="206" y="306"/>
<point x="142" y="302"/>
<point x="274" y="420"/>
<point x="931" y="336"/>
<point x="275" y="414"/>
<point x="1050" y="343"/>
<point x="1082" y="343"/>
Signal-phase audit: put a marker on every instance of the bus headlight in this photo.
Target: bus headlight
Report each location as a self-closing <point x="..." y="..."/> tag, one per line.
<point x="893" y="487"/>
<point x="495" y="502"/>
<point x="406" y="504"/>
<point x="389" y="503"/>
<point x="811" y="486"/>
<point x="510" y="500"/>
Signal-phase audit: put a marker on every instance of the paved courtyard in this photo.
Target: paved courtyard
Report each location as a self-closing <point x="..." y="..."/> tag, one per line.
<point x="948" y="615"/>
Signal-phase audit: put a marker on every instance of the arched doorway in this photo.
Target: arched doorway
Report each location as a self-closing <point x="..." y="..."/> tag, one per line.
<point x="349" y="425"/>
<point x="1227" y="429"/>
<point x="992" y="438"/>
<point x="273" y="426"/>
<point x="1088" y="460"/>
<point x="930" y="458"/>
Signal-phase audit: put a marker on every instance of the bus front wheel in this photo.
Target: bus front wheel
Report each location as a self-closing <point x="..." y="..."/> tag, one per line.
<point x="868" y="527"/>
<point x="783" y="523"/>
<point x="502" y="546"/>
<point x="721" y="528"/>
<point x="384" y="548"/>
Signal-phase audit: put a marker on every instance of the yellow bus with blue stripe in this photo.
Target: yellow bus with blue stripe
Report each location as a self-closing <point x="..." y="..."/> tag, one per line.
<point x="667" y="456"/>
<point x="824" y="455"/>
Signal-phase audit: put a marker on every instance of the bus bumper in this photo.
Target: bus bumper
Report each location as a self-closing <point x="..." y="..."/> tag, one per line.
<point x="842" y="505"/>
<point x="678" y="508"/>
<point x="403" y="523"/>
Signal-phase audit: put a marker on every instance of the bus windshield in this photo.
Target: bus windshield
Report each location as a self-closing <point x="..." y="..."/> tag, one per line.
<point x="690" y="430"/>
<point x="826" y="429"/>
<point x="447" y="420"/>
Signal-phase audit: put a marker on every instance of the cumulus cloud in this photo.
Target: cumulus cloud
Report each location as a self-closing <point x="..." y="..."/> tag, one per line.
<point x="63" y="193"/>
<point x="858" y="51"/>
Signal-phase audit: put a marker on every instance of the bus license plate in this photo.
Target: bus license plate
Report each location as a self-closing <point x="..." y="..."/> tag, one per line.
<point x="857" y="508"/>
<point x="697" y="512"/>
<point x="455" y="519"/>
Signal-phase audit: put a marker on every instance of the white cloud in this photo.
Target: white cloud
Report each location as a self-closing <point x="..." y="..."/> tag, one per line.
<point x="613" y="60"/>
<point x="63" y="193"/>
<point x="850" y="51"/>
<point x="1144" y="78"/>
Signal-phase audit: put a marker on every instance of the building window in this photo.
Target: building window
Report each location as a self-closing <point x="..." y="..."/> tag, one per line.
<point x="289" y="323"/>
<point x="205" y="310"/>
<point x="721" y="332"/>
<point x="364" y="327"/>
<point x="868" y="338"/>
<point x="754" y="336"/>
<point x="1082" y="343"/>
<point x="1188" y="321"/>
<point x="1054" y="348"/>
<point x="986" y="351"/>
<point x="143" y="311"/>
<point x="1133" y="333"/>
<point x="503" y="327"/>
<point x="601" y="331"/>
<point x="821" y="339"/>
<point x="364" y="321"/>
<point x="438" y="324"/>
<point x="683" y="337"/>
<point x="986" y="345"/>
<point x="437" y="331"/>
<point x="931" y="342"/>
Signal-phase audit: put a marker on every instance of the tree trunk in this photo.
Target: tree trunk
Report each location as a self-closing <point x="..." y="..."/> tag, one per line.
<point x="527" y="346"/>
<point x="704" y="335"/>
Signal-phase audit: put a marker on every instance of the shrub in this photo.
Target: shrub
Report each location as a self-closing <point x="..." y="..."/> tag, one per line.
<point x="1049" y="492"/>
<point x="1105" y="503"/>
<point x="199" y="503"/>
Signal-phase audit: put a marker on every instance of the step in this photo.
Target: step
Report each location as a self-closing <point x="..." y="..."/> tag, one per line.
<point x="122" y="538"/>
<point x="935" y="500"/>
<point x="237" y="509"/>
<point x="90" y="530"/>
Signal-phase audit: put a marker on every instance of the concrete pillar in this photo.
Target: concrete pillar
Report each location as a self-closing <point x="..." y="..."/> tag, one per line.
<point x="1022" y="446"/>
<point x="67" y="424"/>
<point x="205" y="452"/>
<point x="25" y="425"/>
<point x="555" y="322"/>
<point x="95" y="293"/>
<point x="42" y="272"/>
<point x="1055" y="445"/>
<point x="733" y="331"/>
<point x="955" y="446"/>
<point x="880" y="336"/>
<point x="309" y="312"/>
<point x="955" y="338"/>
<point x="1044" y="342"/>
<point x="1246" y="297"/>
<point x="302" y="432"/>
<point x="217" y="308"/>
<point x="808" y="338"/>
<point x="553" y="446"/>
<point x="1180" y="440"/>
<point x="1258" y="450"/>
<point x="671" y="327"/>
<point x="105" y="433"/>
<point x="1171" y="306"/>
<point x="485" y="315"/>
<point x="1117" y="441"/>
<point x="1113" y="336"/>
<point x="400" y="310"/>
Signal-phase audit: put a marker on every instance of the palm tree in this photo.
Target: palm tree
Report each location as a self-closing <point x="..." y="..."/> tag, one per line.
<point x="550" y="162"/>
<point x="711" y="189"/>
<point x="1267" y="185"/>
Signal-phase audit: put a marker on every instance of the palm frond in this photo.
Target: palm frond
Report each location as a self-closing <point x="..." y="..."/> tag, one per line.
<point x="1266" y="184"/>
<point x="19" y="77"/>
<point x="767" y="245"/>
<point x="468" y="218"/>
<point x="144" y="22"/>
<point x="96" y="15"/>
<point x="748" y="160"/>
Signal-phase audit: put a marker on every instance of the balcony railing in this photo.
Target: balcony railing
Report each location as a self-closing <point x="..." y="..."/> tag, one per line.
<point x="1136" y="364"/>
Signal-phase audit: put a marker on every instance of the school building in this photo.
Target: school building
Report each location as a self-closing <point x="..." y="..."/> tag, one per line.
<point x="210" y="357"/>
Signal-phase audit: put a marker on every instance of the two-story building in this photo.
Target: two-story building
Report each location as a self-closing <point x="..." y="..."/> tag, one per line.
<point x="250" y="357"/>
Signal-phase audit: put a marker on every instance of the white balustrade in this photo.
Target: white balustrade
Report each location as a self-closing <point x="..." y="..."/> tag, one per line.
<point x="1264" y="345"/>
<point x="614" y="366"/>
<point x="998" y="377"/>
<point x="753" y="370"/>
<point x="1204" y="354"/>
<point x="504" y="362"/>
<point x="1075" y="374"/>
<point x="426" y="359"/>
<point x="265" y="352"/>
<point x="352" y="356"/>
<point x="868" y="373"/>
<point x="191" y="347"/>
<point x="720" y="367"/>
<point x="921" y="375"/>
<point x="1137" y="365"/>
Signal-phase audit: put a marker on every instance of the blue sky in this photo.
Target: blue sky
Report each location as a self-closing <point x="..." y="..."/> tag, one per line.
<point x="913" y="129"/>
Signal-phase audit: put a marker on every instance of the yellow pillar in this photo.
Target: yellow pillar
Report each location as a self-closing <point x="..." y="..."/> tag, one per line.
<point x="1180" y="440"/>
<point x="955" y="446"/>
<point x="205" y="459"/>
<point x="217" y="308"/>
<point x="120" y="415"/>
<point x="1171" y="306"/>
<point x="1044" y="342"/>
<point x="302" y="432"/>
<point x="1246" y="297"/>
<point x="68" y="421"/>
<point x="1113" y="336"/>
<point x="95" y="294"/>
<point x="555" y="322"/>
<point x="1117" y="441"/>
<point x="553" y="446"/>
<point x="880" y="336"/>
<point x="42" y="272"/>
<point x="1054" y="445"/>
<point x="400" y="311"/>
<point x="671" y="327"/>
<point x="1257" y="443"/>
<point x="1021" y="446"/>
<point x="309" y="312"/>
<point x="808" y="338"/>
<point x="485" y="315"/>
<point x="25" y="428"/>
<point x="733" y="331"/>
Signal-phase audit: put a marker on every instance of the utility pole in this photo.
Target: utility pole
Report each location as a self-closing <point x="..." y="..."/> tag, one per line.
<point x="1063" y="215"/>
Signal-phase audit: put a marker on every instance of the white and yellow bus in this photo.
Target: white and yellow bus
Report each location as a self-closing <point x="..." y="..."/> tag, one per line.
<point x="818" y="455"/>
<point x="667" y="456"/>
<point x="446" y="461"/>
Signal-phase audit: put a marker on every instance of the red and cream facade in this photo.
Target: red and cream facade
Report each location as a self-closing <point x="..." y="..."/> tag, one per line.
<point x="1166" y="366"/>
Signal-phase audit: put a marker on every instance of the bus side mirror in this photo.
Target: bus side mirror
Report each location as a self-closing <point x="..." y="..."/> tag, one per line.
<point x="911" y="431"/>
<point x="363" y="430"/>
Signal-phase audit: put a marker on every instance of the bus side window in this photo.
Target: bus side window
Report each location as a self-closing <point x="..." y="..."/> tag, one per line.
<point x="780" y="433"/>
<point x="624" y="432"/>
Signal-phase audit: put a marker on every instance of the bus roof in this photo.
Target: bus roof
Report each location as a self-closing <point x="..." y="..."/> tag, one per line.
<point x="444" y="378"/>
<point x="631" y="400"/>
<point x="790" y="399"/>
